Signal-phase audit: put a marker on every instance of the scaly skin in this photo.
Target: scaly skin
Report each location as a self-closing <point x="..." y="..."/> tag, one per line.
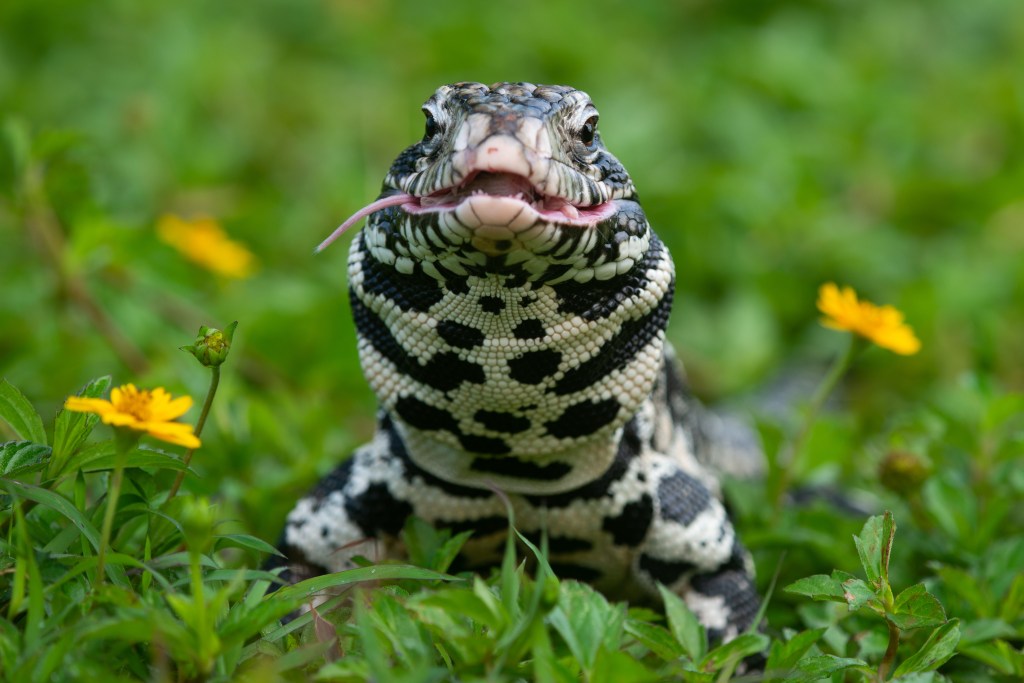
<point x="511" y="301"/>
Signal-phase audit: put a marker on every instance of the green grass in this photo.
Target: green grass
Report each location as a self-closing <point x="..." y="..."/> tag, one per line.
<point x="775" y="145"/>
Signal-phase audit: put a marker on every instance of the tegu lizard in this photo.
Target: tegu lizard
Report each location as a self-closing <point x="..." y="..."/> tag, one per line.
<point x="510" y="300"/>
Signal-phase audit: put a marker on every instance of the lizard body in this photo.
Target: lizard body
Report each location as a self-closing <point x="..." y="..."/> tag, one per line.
<point x="510" y="300"/>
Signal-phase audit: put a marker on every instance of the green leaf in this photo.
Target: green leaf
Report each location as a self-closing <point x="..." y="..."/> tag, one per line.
<point x="999" y="655"/>
<point x="246" y="574"/>
<point x="430" y="547"/>
<point x="586" y="621"/>
<point x="447" y="553"/>
<point x="101" y="456"/>
<point x="302" y="620"/>
<point x="655" y="638"/>
<point x="459" y="603"/>
<point x="985" y="629"/>
<point x="247" y="541"/>
<point x="63" y="506"/>
<point x="72" y="428"/>
<point x="1013" y="603"/>
<point x="304" y="656"/>
<point x="819" y="587"/>
<point x="546" y="667"/>
<point x="954" y="512"/>
<point x="940" y="646"/>
<point x="924" y="677"/>
<point x="857" y="593"/>
<point x="736" y="649"/>
<point x="967" y="587"/>
<point x="917" y="608"/>
<point x="382" y="572"/>
<point x="612" y="666"/>
<point x="56" y="502"/>
<point x="683" y="623"/>
<point x="784" y="656"/>
<point x="244" y="621"/>
<point x="17" y="412"/>
<point x="874" y="545"/>
<point x="816" y="668"/>
<point x="19" y="457"/>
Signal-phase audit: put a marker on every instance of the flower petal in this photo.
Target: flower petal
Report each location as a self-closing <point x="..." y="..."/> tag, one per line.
<point x="88" y="405"/>
<point x="119" y="419"/>
<point x="170" y="410"/>
<point x="177" y="433"/>
<point x="883" y="325"/>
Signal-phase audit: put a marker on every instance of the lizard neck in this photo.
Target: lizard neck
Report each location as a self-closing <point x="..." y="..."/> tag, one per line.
<point x="496" y="378"/>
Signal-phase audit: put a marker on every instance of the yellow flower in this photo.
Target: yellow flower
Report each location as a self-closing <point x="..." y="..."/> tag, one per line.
<point x="203" y="241"/>
<point x="881" y="324"/>
<point x="152" y="412"/>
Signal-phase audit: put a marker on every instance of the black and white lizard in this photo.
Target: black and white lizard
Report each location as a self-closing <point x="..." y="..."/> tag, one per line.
<point x="510" y="301"/>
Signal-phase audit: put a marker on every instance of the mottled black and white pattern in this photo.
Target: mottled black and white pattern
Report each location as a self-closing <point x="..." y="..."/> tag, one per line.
<point x="511" y="302"/>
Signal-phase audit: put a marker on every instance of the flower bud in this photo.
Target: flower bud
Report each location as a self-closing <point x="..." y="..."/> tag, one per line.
<point x="212" y="345"/>
<point x="197" y="523"/>
<point x="549" y="593"/>
<point x="903" y="472"/>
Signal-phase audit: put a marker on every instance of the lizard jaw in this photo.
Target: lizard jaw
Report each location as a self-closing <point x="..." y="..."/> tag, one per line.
<point x="501" y="199"/>
<point x="487" y="199"/>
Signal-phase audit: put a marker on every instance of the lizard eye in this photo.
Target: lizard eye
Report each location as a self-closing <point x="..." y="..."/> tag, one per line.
<point x="431" y="127"/>
<point x="588" y="130"/>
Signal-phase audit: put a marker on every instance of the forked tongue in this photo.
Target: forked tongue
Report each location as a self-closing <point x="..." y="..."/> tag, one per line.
<point x="383" y="203"/>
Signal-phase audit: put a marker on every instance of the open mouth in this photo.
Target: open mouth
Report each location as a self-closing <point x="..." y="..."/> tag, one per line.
<point x="486" y="198"/>
<point x="514" y="187"/>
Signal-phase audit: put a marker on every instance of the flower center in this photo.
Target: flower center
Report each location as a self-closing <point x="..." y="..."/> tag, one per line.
<point x="135" y="403"/>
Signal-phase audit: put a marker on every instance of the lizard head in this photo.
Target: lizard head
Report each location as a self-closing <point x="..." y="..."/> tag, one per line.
<point x="509" y="296"/>
<point x="511" y="173"/>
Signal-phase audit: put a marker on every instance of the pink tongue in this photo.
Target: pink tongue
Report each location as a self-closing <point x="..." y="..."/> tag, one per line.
<point x="392" y="200"/>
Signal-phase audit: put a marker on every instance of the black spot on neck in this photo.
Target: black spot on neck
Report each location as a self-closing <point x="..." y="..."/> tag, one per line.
<point x="521" y="469"/>
<point x="444" y="371"/>
<point x="533" y="367"/>
<point x="583" y="418"/>
<point x="491" y="304"/>
<point x="501" y="422"/>
<point x="488" y="445"/>
<point x="459" y="335"/>
<point x="421" y="415"/>
<point x="530" y="328"/>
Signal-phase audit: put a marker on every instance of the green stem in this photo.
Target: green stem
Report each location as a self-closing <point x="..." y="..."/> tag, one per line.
<point x="124" y="441"/>
<point x="42" y="220"/>
<point x="788" y="461"/>
<point x="890" y="652"/>
<point x="199" y="604"/>
<point x="210" y="393"/>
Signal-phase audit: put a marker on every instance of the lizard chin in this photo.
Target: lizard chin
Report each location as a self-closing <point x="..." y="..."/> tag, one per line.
<point x="488" y="202"/>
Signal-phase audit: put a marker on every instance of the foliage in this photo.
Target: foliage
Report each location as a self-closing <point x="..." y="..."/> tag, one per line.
<point x="776" y="146"/>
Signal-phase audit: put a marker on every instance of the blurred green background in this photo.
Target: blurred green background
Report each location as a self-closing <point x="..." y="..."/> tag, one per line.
<point x="775" y="145"/>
